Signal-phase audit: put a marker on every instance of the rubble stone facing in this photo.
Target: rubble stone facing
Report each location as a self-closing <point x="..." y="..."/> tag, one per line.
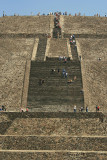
<point x="57" y="126"/>
<point x="26" y="24"/>
<point x="13" y="55"/>
<point x="52" y="156"/>
<point x="54" y="143"/>
<point x="85" y="25"/>
<point x="53" y="124"/>
<point x="49" y="136"/>
<point x="58" y="47"/>
<point x="94" y="71"/>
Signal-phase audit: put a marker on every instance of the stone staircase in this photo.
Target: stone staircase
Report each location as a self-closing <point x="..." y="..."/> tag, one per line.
<point x="53" y="136"/>
<point x="56" y="32"/>
<point x="74" y="52"/>
<point x="57" y="28"/>
<point x="56" y="90"/>
<point x="41" y="49"/>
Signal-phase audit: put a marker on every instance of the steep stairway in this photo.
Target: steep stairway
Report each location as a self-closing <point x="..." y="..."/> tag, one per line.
<point x="57" y="93"/>
<point x="56" y="32"/>
<point x="41" y="49"/>
<point x="73" y="48"/>
<point x="56" y="90"/>
<point x="74" y="52"/>
<point x="57" y="27"/>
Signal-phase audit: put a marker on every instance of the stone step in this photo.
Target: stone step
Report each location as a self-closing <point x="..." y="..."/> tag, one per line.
<point x="50" y="106"/>
<point x="56" y="75"/>
<point x="56" y="92"/>
<point x="73" y="86"/>
<point x="55" y="106"/>
<point x="55" y="66"/>
<point x="55" y="83"/>
<point x="41" y="49"/>
<point x="57" y="78"/>
<point x="59" y="89"/>
<point x="54" y="100"/>
<point x="48" y="70"/>
<point x="53" y="63"/>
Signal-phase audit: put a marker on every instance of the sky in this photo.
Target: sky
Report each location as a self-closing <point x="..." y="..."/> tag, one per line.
<point x="32" y="7"/>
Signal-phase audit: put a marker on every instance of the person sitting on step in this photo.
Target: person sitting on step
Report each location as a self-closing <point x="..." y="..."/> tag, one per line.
<point x="41" y="81"/>
<point x="70" y="81"/>
<point x="52" y="71"/>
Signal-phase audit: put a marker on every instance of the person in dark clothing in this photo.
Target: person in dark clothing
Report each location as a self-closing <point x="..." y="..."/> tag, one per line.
<point x="41" y="81"/>
<point x="82" y="109"/>
<point x="52" y="70"/>
<point x="87" y="109"/>
<point x="3" y="108"/>
<point x="73" y="36"/>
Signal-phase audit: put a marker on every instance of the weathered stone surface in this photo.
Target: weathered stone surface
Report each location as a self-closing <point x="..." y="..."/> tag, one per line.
<point x="52" y="155"/>
<point x="58" y="47"/>
<point x="14" y="52"/>
<point x="54" y="143"/>
<point x="85" y="25"/>
<point x="94" y="71"/>
<point x="26" y="24"/>
<point x="57" y="126"/>
<point x="70" y="136"/>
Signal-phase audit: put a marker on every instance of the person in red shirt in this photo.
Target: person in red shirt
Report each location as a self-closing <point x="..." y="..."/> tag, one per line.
<point x="98" y="108"/>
